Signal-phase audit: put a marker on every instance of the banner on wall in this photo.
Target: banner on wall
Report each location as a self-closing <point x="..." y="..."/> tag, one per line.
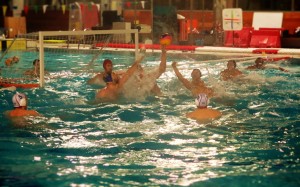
<point x="4" y="9"/>
<point x="45" y="8"/>
<point x="98" y="7"/>
<point x="128" y="4"/>
<point x="26" y="8"/>
<point x="63" y="7"/>
<point x="36" y="8"/>
<point x="17" y="8"/>
<point x="114" y="5"/>
<point x="83" y="16"/>
<point x="143" y="4"/>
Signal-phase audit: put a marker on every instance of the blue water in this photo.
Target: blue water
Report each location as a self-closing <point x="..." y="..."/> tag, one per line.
<point x="149" y="142"/>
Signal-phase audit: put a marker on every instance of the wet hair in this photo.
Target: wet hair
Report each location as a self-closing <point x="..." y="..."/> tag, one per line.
<point x="259" y="59"/>
<point x="35" y="61"/>
<point x="233" y="61"/>
<point x="15" y="59"/>
<point x="198" y="71"/>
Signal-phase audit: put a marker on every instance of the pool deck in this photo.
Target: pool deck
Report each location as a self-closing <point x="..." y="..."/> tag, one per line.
<point x="227" y="51"/>
<point x="250" y="51"/>
<point x="212" y="50"/>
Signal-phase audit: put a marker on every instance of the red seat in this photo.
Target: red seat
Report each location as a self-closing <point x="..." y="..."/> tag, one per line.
<point x="265" y="38"/>
<point x="238" y="38"/>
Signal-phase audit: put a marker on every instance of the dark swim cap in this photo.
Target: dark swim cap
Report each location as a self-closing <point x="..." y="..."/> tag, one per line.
<point x="106" y="61"/>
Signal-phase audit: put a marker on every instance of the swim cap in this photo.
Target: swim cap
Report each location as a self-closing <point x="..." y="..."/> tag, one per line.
<point x="8" y="61"/>
<point x="201" y="100"/>
<point x="106" y="61"/>
<point x="19" y="99"/>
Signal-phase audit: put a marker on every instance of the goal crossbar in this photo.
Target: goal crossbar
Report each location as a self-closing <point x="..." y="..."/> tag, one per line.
<point x="43" y="34"/>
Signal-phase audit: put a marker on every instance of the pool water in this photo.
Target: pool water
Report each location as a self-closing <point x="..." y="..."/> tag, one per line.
<point x="149" y="142"/>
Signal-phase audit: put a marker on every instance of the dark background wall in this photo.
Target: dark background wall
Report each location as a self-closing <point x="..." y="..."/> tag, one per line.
<point x="48" y="21"/>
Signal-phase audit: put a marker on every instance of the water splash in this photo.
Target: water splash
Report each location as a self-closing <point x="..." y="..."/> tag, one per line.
<point x="139" y="86"/>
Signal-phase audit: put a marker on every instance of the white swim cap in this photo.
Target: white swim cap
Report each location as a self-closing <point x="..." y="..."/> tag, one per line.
<point x="201" y="100"/>
<point x="19" y="99"/>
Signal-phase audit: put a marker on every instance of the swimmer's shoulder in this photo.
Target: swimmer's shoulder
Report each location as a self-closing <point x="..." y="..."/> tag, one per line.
<point x="97" y="79"/>
<point x="211" y="113"/>
<point x="214" y="113"/>
<point x="251" y="67"/>
<point x="116" y="76"/>
<point x="224" y="75"/>
<point x="238" y="72"/>
<point x="224" y="71"/>
<point x="32" y="113"/>
<point x="21" y="113"/>
<point x="204" y="114"/>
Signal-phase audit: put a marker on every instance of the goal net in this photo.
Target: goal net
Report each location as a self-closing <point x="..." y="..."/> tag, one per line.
<point x="29" y="58"/>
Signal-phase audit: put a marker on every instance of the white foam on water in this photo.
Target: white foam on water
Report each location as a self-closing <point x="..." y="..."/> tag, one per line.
<point x="137" y="87"/>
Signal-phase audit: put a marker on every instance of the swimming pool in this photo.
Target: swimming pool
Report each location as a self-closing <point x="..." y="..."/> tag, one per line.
<point x="150" y="142"/>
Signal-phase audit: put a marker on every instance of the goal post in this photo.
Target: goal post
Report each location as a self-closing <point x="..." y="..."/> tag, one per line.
<point x="52" y="48"/>
<point x="79" y="38"/>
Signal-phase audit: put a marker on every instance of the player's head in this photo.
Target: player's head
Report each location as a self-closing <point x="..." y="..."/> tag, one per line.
<point x="196" y="73"/>
<point x="15" y="59"/>
<point x="36" y="62"/>
<point x="259" y="62"/>
<point x="108" y="65"/>
<point x="201" y="101"/>
<point x="231" y="64"/>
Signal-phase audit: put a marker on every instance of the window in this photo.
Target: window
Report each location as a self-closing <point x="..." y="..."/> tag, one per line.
<point x="161" y="3"/>
<point x="267" y="5"/>
<point x="137" y="4"/>
<point x="202" y="5"/>
<point x="296" y="5"/>
<point x="182" y="4"/>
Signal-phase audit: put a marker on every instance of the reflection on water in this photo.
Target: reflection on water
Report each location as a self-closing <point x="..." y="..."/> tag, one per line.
<point x="150" y="142"/>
